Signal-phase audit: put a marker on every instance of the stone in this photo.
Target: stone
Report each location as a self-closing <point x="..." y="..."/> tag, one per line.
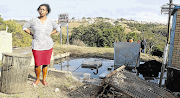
<point x="56" y="90"/>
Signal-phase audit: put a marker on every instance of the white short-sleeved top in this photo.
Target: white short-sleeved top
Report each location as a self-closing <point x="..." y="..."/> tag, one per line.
<point x="41" y="33"/>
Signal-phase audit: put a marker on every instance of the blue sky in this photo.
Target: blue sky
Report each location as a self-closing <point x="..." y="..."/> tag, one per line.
<point x="140" y="10"/>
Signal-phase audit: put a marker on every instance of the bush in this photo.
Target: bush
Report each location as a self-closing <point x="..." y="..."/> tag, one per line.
<point x="56" y="38"/>
<point x="78" y="42"/>
<point x="157" y="51"/>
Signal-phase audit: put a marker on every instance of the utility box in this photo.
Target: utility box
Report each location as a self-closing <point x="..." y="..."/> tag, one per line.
<point x="5" y="43"/>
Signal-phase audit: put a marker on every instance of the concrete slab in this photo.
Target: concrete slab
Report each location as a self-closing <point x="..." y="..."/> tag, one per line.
<point x="62" y="55"/>
<point x="102" y="76"/>
<point x="59" y="73"/>
<point x="109" y="70"/>
<point x="91" y="64"/>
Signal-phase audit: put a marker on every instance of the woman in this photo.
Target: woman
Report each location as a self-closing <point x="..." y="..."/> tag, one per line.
<point x="42" y="43"/>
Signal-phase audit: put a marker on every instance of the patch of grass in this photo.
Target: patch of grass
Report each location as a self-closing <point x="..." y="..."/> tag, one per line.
<point x="128" y="29"/>
<point x="17" y="96"/>
<point x="84" y="51"/>
<point x="102" y="52"/>
<point x="0" y="63"/>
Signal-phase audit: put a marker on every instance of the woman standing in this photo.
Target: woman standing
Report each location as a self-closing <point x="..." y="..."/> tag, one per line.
<point x="42" y="43"/>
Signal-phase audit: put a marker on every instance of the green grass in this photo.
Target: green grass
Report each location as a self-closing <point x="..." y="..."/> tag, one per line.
<point x="0" y="63"/>
<point x="99" y="52"/>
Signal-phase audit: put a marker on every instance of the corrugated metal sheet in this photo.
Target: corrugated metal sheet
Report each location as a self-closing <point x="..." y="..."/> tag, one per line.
<point x="132" y="85"/>
<point x="172" y="39"/>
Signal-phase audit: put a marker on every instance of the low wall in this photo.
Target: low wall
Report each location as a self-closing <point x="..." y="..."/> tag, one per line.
<point x="5" y="43"/>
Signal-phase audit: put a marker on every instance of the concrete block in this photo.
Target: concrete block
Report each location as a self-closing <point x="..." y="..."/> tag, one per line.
<point x="62" y="55"/>
<point x="59" y="73"/>
<point x="5" y="43"/>
<point x="91" y="64"/>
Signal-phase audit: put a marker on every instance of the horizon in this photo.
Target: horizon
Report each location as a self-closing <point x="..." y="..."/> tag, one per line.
<point x="138" y="10"/>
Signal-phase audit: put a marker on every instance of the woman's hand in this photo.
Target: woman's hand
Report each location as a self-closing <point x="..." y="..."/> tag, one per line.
<point x="54" y="31"/>
<point x="28" y="31"/>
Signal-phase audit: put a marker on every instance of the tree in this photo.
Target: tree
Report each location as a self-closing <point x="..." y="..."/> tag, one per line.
<point x="19" y="37"/>
<point x="73" y="17"/>
<point x="2" y="27"/>
<point x="153" y="38"/>
<point x="100" y="34"/>
<point x="116" y="22"/>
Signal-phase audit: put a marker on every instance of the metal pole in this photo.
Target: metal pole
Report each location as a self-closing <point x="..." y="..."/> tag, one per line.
<point x="164" y="63"/>
<point x="60" y="35"/>
<point x="67" y="36"/>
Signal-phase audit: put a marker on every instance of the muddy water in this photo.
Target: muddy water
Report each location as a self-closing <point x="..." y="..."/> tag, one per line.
<point x="74" y="65"/>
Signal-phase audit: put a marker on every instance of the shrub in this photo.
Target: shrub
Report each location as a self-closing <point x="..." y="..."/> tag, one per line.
<point x="0" y="63"/>
<point x="157" y="51"/>
<point x="78" y="42"/>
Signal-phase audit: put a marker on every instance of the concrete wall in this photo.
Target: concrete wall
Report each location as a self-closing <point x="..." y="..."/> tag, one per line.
<point x="5" y="43"/>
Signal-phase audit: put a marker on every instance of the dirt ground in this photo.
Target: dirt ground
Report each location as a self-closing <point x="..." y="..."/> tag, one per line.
<point x="68" y="86"/>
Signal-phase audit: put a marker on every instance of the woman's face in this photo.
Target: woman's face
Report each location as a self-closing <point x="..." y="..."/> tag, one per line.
<point x="43" y="11"/>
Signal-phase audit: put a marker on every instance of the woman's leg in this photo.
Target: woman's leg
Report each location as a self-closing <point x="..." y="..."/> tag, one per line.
<point x="44" y="68"/>
<point x="37" y="71"/>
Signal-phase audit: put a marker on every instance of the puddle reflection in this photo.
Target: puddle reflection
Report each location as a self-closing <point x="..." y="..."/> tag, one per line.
<point x="74" y="65"/>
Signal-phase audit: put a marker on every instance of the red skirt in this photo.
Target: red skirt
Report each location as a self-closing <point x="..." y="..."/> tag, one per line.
<point x="42" y="57"/>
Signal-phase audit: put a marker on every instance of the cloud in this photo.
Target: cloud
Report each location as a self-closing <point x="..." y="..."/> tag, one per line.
<point x="151" y="17"/>
<point x="4" y="9"/>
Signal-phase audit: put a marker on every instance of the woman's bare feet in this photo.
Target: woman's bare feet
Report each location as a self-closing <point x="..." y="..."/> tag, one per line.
<point x="35" y="83"/>
<point x="44" y="83"/>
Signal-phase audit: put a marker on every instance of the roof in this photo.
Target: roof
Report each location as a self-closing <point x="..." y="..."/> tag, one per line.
<point x="175" y="9"/>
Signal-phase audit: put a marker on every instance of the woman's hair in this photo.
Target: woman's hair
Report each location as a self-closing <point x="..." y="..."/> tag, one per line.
<point x="47" y="6"/>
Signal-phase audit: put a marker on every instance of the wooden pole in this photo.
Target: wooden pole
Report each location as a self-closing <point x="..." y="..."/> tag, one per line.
<point x="169" y="19"/>
<point x="166" y="46"/>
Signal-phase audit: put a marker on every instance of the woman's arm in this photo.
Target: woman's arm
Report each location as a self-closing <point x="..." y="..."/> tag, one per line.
<point x="28" y="31"/>
<point x="54" y="31"/>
